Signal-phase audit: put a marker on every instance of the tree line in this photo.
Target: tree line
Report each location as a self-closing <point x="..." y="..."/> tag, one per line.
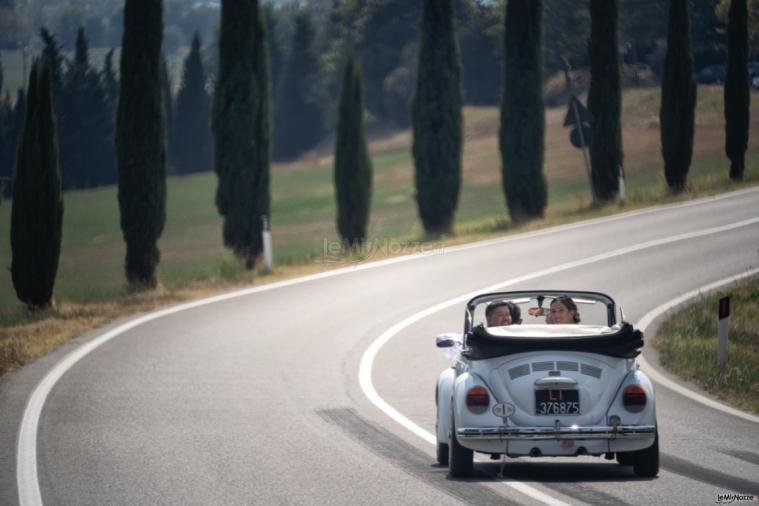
<point x="306" y="45"/>
<point x="242" y="129"/>
<point x="85" y="101"/>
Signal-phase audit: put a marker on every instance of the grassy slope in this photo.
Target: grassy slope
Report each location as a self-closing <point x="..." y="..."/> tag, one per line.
<point x="303" y="201"/>
<point x="687" y="343"/>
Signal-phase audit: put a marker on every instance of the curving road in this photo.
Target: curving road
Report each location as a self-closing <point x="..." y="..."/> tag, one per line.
<point x="256" y="398"/>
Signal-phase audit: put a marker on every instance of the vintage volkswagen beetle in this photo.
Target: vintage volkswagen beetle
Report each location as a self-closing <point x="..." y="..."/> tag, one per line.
<point x="536" y="389"/>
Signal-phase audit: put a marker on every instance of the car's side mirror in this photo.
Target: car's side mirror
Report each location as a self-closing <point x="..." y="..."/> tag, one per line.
<point x="447" y="340"/>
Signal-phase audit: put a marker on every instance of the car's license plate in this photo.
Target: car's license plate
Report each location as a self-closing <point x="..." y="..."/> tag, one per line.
<point x="557" y="402"/>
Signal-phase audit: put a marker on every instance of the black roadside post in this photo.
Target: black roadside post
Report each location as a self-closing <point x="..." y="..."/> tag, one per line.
<point x="722" y="328"/>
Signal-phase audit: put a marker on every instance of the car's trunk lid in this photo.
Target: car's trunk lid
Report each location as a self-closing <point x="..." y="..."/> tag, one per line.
<point x="565" y="383"/>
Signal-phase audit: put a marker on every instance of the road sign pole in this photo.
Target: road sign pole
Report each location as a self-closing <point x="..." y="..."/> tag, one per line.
<point x="722" y="327"/>
<point x="582" y="144"/>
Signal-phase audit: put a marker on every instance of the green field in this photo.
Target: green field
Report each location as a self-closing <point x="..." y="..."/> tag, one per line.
<point x="303" y="202"/>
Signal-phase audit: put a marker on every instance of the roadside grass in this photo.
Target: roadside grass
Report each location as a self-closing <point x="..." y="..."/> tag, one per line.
<point x="90" y="287"/>
<point x="687" y="344"/>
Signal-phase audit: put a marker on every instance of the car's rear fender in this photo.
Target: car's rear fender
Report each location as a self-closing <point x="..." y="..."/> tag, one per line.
<point x="647" y="415"/>
<point x="463" y="416"/>
<point x="443" y="394"/>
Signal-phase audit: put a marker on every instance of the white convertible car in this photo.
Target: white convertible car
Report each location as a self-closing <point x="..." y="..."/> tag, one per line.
<point x="545" y="373"/>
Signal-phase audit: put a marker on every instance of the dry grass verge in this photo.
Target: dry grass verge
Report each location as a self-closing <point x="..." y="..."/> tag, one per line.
<point x="687" y="343"/>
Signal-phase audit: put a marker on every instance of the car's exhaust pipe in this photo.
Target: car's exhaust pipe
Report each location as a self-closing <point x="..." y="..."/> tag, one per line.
<point x="535" y="452"/>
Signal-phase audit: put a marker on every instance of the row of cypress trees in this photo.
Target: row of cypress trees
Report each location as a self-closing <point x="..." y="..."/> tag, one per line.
<point x="438" y="124"/>
<point x="192" y="147"/>
<point x="141" y="152"/>
<point x="84" y="100"/>
<point x="242" y="131"/>
<point x="678" y="100"/>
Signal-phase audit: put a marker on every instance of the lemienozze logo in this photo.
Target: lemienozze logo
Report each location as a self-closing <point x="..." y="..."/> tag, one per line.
<point x="731" y="498"/>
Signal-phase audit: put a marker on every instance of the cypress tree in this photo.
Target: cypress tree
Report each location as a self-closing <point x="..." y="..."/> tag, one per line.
<point x="7" y="144"/>
<point x="19" y="113"/>
<point x="37" y="210"/>
<point x="87" y="154"/>
<point x="110" y="81"/>
<point x="522" y="131"/>
<point x="353" y="167"/>
<point x="436" y="118"/>
<point x="262" y="118"/>
<point x="678" y="98"/>
<point x="7" y="139"/>
<point x="737" y="93"/>
<point x="17" y="128"/>
<point x="299" y="123"/>
<point x="75" y="102"/>
<point x="604" y="99"/>
<point x="168" y="110"/>
<point x="141" y="141"/>
<point x="241" y="128"/>
<point x="192" y="127"/>
<point x="53" y="51"/>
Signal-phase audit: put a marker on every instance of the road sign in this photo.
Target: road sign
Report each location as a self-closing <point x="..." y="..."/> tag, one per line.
<point x="577" y="113"/>
<point x="574" y="136"/>
<point x="581" y="118"/>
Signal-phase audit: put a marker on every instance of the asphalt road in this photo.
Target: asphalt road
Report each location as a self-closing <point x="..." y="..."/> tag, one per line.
<point x="256" y="399"/>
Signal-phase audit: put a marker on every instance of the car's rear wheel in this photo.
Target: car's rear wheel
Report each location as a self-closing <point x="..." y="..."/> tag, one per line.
<point x="442" y="448"/>
<point x="460" y="459"/>
<point x="442" y="453"/>
<point x="646" y="463"/>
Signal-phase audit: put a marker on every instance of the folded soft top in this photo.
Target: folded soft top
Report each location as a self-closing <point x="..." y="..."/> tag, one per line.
<point x="623" y="342"/>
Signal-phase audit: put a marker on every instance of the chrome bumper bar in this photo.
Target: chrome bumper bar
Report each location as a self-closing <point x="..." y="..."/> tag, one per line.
<point x="547" y="433"/>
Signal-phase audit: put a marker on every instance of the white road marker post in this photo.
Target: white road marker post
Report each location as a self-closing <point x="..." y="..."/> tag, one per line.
<point x="266" y="235"/>
<point x="621" y="186"/>
<point x="722" y="328"/>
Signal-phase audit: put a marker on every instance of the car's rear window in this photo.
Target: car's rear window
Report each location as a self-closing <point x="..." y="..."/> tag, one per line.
<point x="533" y="311"/>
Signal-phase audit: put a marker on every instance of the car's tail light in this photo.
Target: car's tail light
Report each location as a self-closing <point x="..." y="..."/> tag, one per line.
<point x="634" y="398"/>
<point x="477" y="399"/>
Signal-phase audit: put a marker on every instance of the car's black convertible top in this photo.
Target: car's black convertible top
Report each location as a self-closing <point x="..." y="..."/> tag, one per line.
<point x="623" y="343"/>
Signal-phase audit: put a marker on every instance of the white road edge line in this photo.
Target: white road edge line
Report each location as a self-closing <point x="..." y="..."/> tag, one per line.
<point x="659" y="378"/>
<point x="367" y="359"/>
<point x="26" y="454"/>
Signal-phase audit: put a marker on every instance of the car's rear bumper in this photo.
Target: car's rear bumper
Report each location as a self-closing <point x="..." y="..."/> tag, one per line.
<point x="546" y="433"/>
